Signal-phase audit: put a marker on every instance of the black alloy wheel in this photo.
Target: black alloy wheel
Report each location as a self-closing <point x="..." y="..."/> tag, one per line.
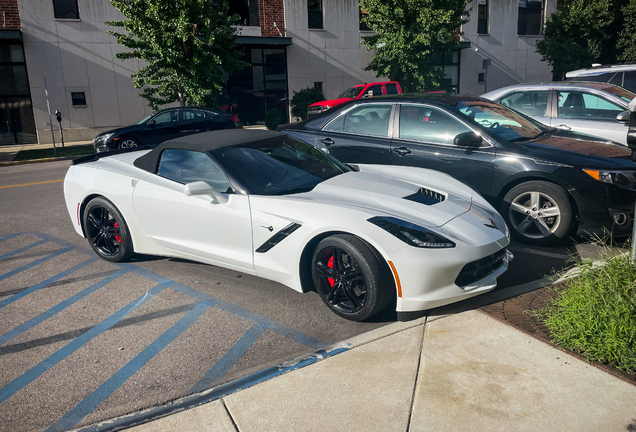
<point x="349" y="278"/>
<point x="107" y="231"/>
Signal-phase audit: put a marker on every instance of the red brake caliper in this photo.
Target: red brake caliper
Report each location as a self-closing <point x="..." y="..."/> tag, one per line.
<point x="118" y="238"/>
<point x="330" y="265"/>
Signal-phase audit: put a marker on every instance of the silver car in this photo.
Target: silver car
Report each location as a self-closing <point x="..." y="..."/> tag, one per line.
<point x="591" y="108"/>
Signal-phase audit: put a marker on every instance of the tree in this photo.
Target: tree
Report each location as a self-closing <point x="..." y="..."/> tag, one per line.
<point x="302" y="99"/>
<point x="186" y="45"/>
<point x="408" y="34"/>
<point x="582" y="32"/>
<point x="627" y="41"/>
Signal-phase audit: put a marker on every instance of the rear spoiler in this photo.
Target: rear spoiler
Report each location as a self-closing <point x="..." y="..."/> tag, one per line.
<point x="98" y="156"/>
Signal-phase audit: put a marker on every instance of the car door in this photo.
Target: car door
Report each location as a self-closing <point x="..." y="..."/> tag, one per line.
<point x="192" y="121"/>
<point x="195" y="225"/>
<point x="162" y="127"/>
<point x="533" y="103"/>
<point x="424" y="138"/>
<point x="589" y="113"/>
<point x="359" y="135"/>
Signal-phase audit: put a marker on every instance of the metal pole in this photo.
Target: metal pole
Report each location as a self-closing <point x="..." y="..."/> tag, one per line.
<point x="48" y="107"/>
<point x="631" y="143"/>
<point x="61" y="135"/>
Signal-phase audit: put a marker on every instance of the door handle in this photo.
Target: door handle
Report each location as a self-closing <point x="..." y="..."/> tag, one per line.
<point x="564" y="127"/>
<point x="327" y="141"/>
<point x="402" y="151"/>
<point x="190" y="130"/>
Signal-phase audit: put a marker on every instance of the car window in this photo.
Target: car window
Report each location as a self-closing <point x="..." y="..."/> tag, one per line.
<point x="532" y="103"/>
<point x="428" y="124"/>
<point x="585" y="106"/>
<point x="367" y="119"/>
<point x="188" y="114"/>
<point x="617" y="79"/>
<point x="626" y="95"/>
<point x="167" y="117"/>
<point x="604" y="77"/>
<point x="630" y="81"/>
<point x="374" y="90"/>
<point x="186" y="166"/>
<point x="391" y="89"/>
<point x="351" y="93"/>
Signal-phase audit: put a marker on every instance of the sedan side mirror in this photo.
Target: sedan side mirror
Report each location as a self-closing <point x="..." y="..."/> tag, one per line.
<point x="151" y="123"/>
<point x="468" y="139"/>
<point x="623" y="117"/>
<point x="202" y="188"/>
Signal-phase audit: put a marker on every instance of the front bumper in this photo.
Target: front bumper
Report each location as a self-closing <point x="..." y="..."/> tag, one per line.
<point x="605" y="210"/>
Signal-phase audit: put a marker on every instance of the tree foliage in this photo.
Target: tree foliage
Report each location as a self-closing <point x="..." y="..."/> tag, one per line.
<point x="186" y="47"/>
<point x="302" y="99"/>
<point x="627" y="41"/>
<point x="582" y="32"/>
<point x="408" y="34"/>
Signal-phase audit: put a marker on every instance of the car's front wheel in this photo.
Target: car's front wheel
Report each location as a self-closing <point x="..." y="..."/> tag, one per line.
<point x="128" y="142"/>
<point x="107" y="231"/>
<point x="349" y="277"/>
<point x="538" y="212"/>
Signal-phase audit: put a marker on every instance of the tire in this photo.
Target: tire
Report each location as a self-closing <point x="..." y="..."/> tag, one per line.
<point x="128" y="142"/>
<point x="360" y="286"/>
<point x="538" y="212"/>
<point x="106" y="231"/>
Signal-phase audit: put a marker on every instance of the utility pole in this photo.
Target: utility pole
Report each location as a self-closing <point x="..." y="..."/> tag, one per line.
<point x="48" y="107"/>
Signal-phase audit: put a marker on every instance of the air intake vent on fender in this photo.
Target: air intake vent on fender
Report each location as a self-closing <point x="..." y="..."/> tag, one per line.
<point x="426" y="196"/>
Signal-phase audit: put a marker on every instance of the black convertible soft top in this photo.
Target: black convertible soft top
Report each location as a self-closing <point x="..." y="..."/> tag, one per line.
<point x="204" y="142"/>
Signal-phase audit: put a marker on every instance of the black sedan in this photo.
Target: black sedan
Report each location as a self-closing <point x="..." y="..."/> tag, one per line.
<point x="163" y="125"/>
<point x="547" y="183"/>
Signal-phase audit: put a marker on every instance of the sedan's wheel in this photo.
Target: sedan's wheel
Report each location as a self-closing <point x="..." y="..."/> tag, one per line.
<point x="107" y="231"/>
<point x="538" y="212"/>
<point x="128" y="143"/>
<point x="349" y="277"/>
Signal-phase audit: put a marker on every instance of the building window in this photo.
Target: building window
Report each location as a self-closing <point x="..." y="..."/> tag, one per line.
<point x="247" y="10"/>
<point x="314" y="12"/>
<point x="481" y="78"/>
<point x="530" y="17"/>
<point x="482" y="17"/>
<point x="449" y="62"/>
<point x="363" y="25"/>
<point x="318" y="85"/>
<point x="79" y="98"/>
<point x="66" y="9"/>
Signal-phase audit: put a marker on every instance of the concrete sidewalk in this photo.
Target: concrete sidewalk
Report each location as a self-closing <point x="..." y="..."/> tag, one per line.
<point x="8" y="152"/>
<point x="455" y="372"/>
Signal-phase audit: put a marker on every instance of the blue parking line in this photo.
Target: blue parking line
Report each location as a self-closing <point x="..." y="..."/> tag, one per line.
<point x="34" y="263"/>
<point x="37" y="370"/>
<point x="15" y="252"/>
<point x="9" y="236"/>
<point x="44" y="283"/>
<point x="228" y="360"/>
<point x="100" y="394"/>
<point x="59" y="307"/>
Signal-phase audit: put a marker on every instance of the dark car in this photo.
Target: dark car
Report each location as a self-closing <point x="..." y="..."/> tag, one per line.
<point x="163" y="125"/>
<point x="547" y="183"/>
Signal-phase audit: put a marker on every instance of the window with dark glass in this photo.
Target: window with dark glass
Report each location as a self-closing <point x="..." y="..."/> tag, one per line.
<point x="318" y="85"/>
<point x="367" y="119"/>
<point x="391" y="89"/>
<point x="363" y="25"/>
<point x="78" y="98"/>
<point x="373" y="91"/>
<point x="187" y="166"/>
<point x="449" y="62"/>
<point x="66" y="9"/>
<point x="247" y="10"/>
<point x="482" y="17"/>
<point x="314" y="14"/>
<point x="481" y="78"/>
<point x="530" y="21"/>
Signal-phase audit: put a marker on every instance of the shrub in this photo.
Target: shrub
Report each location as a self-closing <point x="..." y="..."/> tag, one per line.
<point x="303" y="99"/>
<point x="274" y="118"/>
<point x="595" y="313"/>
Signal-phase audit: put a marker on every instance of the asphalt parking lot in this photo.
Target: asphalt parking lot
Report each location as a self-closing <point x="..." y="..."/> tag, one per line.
<point x="83" y="340"/>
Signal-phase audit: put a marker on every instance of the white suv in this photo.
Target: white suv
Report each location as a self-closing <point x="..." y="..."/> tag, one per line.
<point x="619" y="75"/>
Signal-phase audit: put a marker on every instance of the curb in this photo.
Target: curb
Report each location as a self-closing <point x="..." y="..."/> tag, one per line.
<point x="34" y="161"/>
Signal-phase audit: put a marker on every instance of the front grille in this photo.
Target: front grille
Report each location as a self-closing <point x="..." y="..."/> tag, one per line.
<point x="476" y="270"/>
<point x="426" y="196"/>
<point x="314" y="110"/>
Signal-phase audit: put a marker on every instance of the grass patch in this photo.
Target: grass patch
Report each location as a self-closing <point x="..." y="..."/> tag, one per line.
<point x="48" y="153"/>
<point x="595" y="312"/>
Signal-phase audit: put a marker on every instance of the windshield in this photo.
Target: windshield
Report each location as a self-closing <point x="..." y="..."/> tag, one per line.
<point x="145" y="119"/>
<point x="503" y="121"/>
<point x="278" y="166"/>
<point x="626" y="95"/>
<point x="351" y="93"/>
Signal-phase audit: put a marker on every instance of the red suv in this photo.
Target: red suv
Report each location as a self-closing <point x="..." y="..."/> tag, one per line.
<point x="357" y="92"/>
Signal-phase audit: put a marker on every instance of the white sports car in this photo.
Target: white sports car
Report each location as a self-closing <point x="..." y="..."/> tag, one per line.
<point x="269" y="205"/>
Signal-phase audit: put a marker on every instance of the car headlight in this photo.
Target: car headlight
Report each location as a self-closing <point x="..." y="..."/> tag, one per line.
<point x="412" y="234"/>
<point x="626" y="179"/>
<point x="103" y="138"/>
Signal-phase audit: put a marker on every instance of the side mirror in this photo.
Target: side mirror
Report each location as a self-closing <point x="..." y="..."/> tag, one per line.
<point x="623" y="117"/>
<point x="202" y="188"/>
<point x="468" y="139"/>
<point x="367" y="94"/>
<point x="151" y="122"/>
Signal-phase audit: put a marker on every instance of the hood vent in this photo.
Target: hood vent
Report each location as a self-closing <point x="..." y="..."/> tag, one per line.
<point x="426" y="196"/>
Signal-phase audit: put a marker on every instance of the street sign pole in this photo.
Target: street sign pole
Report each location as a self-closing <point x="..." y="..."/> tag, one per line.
<point x="58" y="115"/>
<point x="48" y="107"/>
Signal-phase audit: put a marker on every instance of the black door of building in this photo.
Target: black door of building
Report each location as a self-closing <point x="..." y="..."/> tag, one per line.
<point x="16" y="121"/>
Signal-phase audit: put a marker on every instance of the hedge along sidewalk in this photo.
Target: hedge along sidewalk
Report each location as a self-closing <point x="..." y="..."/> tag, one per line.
<point x="33" y="153"/>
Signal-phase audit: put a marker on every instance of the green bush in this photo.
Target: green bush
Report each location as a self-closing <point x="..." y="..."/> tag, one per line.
<point x="274" y="118"/>
<point x="595" y="313"/>
<point x="303" y="99"/>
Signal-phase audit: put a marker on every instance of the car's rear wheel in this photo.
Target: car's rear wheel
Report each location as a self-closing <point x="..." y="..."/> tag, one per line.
<point x="538" y="212"/>
<point x="349" y="277"/>
<point x="128" y="142"/>
<point x="107" y="231"/>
